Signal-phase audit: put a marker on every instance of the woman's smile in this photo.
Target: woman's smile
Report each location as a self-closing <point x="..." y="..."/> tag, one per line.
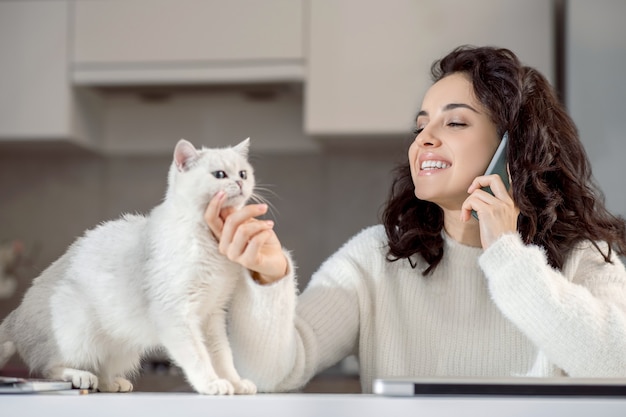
<point x="430" y="163"/>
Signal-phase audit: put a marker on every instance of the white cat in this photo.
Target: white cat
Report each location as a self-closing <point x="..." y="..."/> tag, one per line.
<point x="137" y="283"/>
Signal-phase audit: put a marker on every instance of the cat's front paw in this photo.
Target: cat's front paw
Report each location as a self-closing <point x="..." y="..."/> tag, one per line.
<point x="79" y="379"/>
<point x="217" y="387"/>
<point x="244" y="386"/>
<point x="118" y="384"/>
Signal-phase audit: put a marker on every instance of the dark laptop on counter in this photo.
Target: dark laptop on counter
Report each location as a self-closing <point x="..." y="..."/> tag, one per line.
<point x="510" y="386"/>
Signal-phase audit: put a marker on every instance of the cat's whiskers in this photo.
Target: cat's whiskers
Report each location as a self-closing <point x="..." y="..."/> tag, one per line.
<point x="257" y="197"/>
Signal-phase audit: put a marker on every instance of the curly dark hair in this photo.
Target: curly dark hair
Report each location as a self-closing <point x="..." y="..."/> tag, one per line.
<point x="552" y="184"/>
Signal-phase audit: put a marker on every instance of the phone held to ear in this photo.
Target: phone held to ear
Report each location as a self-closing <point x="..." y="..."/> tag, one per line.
<point x="498" y="166"/>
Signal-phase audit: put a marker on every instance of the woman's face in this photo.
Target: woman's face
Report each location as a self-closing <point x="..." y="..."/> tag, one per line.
<point x="455" y="141"/>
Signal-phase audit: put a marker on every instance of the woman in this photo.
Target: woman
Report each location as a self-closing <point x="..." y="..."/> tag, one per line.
<point x="534" y="288"/>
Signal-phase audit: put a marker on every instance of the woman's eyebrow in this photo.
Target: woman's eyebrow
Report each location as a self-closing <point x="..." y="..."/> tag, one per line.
<point x="452" y="106"/>
<point x="449" y="107"/>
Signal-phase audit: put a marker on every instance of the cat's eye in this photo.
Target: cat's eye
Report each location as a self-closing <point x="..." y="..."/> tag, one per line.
<point x="243" y="175"/>
<point x="219" y="174"/>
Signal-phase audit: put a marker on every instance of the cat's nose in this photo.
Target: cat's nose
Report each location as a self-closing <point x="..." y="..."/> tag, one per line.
<point x="240" y="184"/>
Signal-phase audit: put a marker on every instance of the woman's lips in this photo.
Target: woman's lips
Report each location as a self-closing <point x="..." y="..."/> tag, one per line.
<point x="431" y="164"/>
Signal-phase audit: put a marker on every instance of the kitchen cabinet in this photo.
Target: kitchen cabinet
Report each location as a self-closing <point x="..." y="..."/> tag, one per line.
<point x="369" y="60"/>
<point x="36" y="100"/>
<point x="149" y="42"/>
<point x="38" y="103"/>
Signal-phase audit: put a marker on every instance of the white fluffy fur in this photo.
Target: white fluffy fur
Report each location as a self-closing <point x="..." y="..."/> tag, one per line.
<point x="137" y="283"/>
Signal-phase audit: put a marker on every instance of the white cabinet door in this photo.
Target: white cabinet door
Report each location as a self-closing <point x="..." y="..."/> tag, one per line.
<point x="35" y="97"/>
<point x="369" y="60"/>
<point x="187" y="41"/>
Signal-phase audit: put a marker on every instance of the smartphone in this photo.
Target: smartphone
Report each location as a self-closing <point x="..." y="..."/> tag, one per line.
<point x="498" y="166"/>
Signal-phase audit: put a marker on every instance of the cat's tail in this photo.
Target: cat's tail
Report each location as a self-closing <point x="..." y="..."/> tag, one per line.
<point x="7" y="347"/>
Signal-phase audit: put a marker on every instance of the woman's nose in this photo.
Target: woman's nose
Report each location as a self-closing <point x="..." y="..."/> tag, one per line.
<point x="426" y="139"/>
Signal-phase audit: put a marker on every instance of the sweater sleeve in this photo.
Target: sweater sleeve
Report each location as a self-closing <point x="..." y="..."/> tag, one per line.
<point x="260" y="328"/>
<point x="280" y="341"/>
<point x="577" y="317"/>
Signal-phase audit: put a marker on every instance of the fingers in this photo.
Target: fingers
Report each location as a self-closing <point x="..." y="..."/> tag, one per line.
<point x="238" y="217"/>
<point x="497" y="213"/>
<point x="216" y="217"/>
<point x="247" y="236"/>
<point x="256" y="243"/>
<point x="481" y="200"/>
<point x="212" y="214"/>
<point x="492" y="181"/>
<point x="251" y="256"/>
<point x="246" y="240"/>
<point x="237" y="231"/>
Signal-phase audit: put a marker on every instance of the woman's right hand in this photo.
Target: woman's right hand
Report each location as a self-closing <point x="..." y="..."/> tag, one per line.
<point x="497" y="212"/>
<point x="246" y="240"/>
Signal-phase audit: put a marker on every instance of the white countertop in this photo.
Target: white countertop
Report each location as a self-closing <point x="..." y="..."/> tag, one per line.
<point x="302" y="405"/>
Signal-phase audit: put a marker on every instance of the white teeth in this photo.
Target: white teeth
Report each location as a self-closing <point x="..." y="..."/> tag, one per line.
<point x="434" y="165"/>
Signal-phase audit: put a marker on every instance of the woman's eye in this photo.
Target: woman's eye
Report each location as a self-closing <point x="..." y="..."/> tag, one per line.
<point x="219" y="174"/>
<point x="417" y="130"/>
<point x="456" y="124"/>
<point x="243" y="175"/>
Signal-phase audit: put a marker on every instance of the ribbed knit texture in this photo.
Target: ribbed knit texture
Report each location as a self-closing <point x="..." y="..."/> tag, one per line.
<point x="503" y="312"/>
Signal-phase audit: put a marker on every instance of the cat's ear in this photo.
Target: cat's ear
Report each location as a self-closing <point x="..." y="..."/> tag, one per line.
<point x="243" y="147"/>
<point x="184" y="153"/>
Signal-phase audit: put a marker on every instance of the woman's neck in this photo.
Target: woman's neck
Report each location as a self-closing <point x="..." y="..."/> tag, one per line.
<point x="467" y="233"/>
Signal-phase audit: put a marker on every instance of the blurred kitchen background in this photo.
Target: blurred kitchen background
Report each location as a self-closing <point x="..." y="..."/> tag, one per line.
<point x="94" y="95"/>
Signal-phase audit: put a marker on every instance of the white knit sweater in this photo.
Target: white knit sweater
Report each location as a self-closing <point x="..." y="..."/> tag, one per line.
<point x="503" y="311"/>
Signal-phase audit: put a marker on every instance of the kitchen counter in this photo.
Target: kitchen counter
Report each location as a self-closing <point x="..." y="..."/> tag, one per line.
<point x="302" y="405"/>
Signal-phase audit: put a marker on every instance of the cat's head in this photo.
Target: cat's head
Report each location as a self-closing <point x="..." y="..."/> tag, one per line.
<point x="197" y="175"/>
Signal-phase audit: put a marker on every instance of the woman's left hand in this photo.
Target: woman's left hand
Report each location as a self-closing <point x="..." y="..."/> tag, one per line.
<point x="497" y="213"/>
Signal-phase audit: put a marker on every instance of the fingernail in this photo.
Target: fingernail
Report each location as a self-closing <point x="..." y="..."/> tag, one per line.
<point x="270" y="223"/>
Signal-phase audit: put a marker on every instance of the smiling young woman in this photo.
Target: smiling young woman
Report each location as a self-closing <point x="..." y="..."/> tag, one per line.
<point x="534" y="288"/>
